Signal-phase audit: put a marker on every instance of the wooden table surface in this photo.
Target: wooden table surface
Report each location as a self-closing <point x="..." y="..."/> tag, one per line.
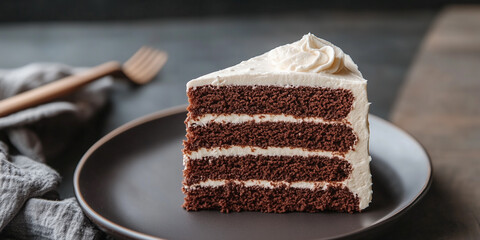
<point x="440" y="106"/>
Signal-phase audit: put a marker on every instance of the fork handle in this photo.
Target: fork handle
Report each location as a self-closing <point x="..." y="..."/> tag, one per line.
<point x="56" y="89"/>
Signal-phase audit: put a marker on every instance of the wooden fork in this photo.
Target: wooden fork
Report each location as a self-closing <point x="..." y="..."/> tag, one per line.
<point x="141" y="68"/>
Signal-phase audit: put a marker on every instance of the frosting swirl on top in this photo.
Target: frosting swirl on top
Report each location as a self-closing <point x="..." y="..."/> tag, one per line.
<point x="312" y="54"/>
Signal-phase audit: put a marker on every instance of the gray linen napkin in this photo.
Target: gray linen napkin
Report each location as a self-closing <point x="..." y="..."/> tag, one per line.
<point x="30" y="137"/>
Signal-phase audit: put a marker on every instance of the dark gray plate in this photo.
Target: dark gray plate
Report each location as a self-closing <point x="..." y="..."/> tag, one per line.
<point x="129" y="184"/>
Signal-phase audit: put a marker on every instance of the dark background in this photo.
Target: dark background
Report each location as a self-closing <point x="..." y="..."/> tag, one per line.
<point x="90" y="10"/>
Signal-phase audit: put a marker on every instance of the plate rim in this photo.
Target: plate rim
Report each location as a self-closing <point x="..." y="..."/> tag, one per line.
<point x="118" y="230"/>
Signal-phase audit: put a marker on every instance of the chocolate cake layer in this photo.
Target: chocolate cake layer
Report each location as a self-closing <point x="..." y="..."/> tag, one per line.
<point x="311" y="136"/>
<point x="330" y="104"/>
<point x="272" y="168"/>
<point x="235" y="198"/>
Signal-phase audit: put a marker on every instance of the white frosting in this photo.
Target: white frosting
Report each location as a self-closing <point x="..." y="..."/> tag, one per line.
<point x="268" y="69"/>
<point x="265" y="184"/>
<point x="300" y="69"/>
<point x="312" y="54"/>
<point x="241" y="118"/>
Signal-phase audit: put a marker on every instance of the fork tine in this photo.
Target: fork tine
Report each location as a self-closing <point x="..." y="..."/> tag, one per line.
<point x="138" y="65"/>
<point x="159" y="62"/>
<point x="144" y="64"/>
<point x="138" y="57"/>
<point x="146" y="60"/>
<point x="151" y="68"/>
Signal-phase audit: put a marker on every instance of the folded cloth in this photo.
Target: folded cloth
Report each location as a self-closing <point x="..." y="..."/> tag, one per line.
<point x="27" y="139"/>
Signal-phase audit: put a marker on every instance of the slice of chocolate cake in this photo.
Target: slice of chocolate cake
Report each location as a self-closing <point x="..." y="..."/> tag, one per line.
<point x="284" y="131"/>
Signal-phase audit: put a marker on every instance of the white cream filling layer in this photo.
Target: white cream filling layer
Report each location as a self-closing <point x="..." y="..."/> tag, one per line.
<point x="241" y="118"/>
<point x="266" y="184"/>
<point x="269" y="151"/>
